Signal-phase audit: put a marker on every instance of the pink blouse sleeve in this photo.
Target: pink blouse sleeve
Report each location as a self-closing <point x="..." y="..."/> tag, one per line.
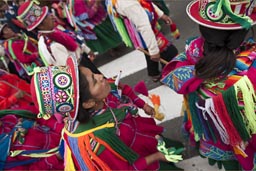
<point x="7" y="102"/>
<point x="64" y="39"/>
<point x="128" y="91"/>
<point x="22" y="56"/>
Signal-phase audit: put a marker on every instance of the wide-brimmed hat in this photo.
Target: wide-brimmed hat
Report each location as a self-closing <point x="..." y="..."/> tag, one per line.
<point x="55" y="90"/>
<point x="223" y="14"/>
<point x="31" y="14"/>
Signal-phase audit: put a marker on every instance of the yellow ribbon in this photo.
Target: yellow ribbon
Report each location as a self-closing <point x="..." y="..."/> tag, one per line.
<point x="107" y="125"/>
<point x="52" y="152"/>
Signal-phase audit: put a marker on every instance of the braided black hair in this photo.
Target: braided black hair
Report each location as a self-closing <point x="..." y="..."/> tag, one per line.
<point x="84" y="93"/>
<point x="219" y="58"/>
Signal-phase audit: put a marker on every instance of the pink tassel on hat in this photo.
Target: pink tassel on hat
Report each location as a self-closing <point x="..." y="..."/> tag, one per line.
<point x="174" y="31"/>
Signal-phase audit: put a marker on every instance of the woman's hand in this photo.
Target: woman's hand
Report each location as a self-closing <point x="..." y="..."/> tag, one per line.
<point x="155" y="57"/>
<point x="20" y="94"/>
<point x="166" y="19"/>
<point x="149" y="110"/>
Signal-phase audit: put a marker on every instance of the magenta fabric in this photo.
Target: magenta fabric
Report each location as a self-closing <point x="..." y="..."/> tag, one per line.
<point x="251" y="74"/>
<point x="248" y="162"/>
<point x="127" y="91"/>
<point x="193" y="52"/>
<point x="64" y="39"/>
<point x="139" y="134"/>
<point x="36" y="138"/>
<point x="9" y="85"/>
<point x="134" y="131"/>
<point x="17" y="47"/>
<point x="93" y="9"/>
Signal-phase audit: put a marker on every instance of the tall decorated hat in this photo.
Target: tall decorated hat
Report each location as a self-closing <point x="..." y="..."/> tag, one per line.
<point x="55" y="90"/>
<point x="223" y="14"/>
<point x="31" y="14"/>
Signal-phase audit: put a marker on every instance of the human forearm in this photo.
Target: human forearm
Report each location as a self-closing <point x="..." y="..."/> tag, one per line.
<point x="64" y="39"/>
<point x="128" y="91"/>
<point x="8" y="102"/>
<point x="158" y="10"/>
<point x="158" y="156"/>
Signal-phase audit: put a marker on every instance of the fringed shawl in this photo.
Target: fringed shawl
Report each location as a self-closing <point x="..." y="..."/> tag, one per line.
<point x="99" y="133"/>
<point x="228" y="106"/>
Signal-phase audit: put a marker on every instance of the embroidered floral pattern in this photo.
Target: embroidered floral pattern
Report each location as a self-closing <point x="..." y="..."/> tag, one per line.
<point x="61" y="96"/>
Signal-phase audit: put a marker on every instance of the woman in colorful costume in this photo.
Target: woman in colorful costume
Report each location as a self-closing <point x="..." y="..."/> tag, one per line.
<point x="10" y="9"/>
<point x="27" y="144"/>
<point x="54" y="44"/>
<point x="216" y="74"/>
<point x="92" y="23"/>
<point x="142" y="32"/>
<point x="21" y="50"/>
<point x="15" y="93"/>
<point x="36" y="18"/>
<point x="103" y="129"/>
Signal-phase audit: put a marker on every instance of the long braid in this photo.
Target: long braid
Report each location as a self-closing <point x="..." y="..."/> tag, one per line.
<point x="219" y="58"/>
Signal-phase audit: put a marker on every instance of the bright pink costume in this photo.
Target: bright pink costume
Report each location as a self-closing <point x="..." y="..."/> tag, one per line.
<point x="127" y="145"/>
<point x="41" y="134"/>
<point x="28" y="135"/>
<point x="23" y="52"/>
<point x="9" y="85"/>
<point x="63" y="38"/>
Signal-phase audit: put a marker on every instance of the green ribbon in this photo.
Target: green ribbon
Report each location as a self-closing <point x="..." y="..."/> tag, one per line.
<point x="225" y="5"/>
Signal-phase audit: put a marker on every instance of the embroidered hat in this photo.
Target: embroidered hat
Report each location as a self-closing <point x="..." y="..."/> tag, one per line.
<point x="31" y="14"/>
<point x="55" y="90"/>
<point x="223" y="14"/>
<point x="62" y="10"/>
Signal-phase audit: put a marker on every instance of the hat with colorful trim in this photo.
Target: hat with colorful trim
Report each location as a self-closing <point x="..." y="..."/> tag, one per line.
<point x="55" y="90"/>
<point x="223" y="14"/>
<point x="31" y="14"/>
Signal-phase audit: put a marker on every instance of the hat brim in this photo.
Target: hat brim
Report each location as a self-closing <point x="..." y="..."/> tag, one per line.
<point x="73" y="66"/>
<point x="193" y="12"/>
<point x="40" y="19"/>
